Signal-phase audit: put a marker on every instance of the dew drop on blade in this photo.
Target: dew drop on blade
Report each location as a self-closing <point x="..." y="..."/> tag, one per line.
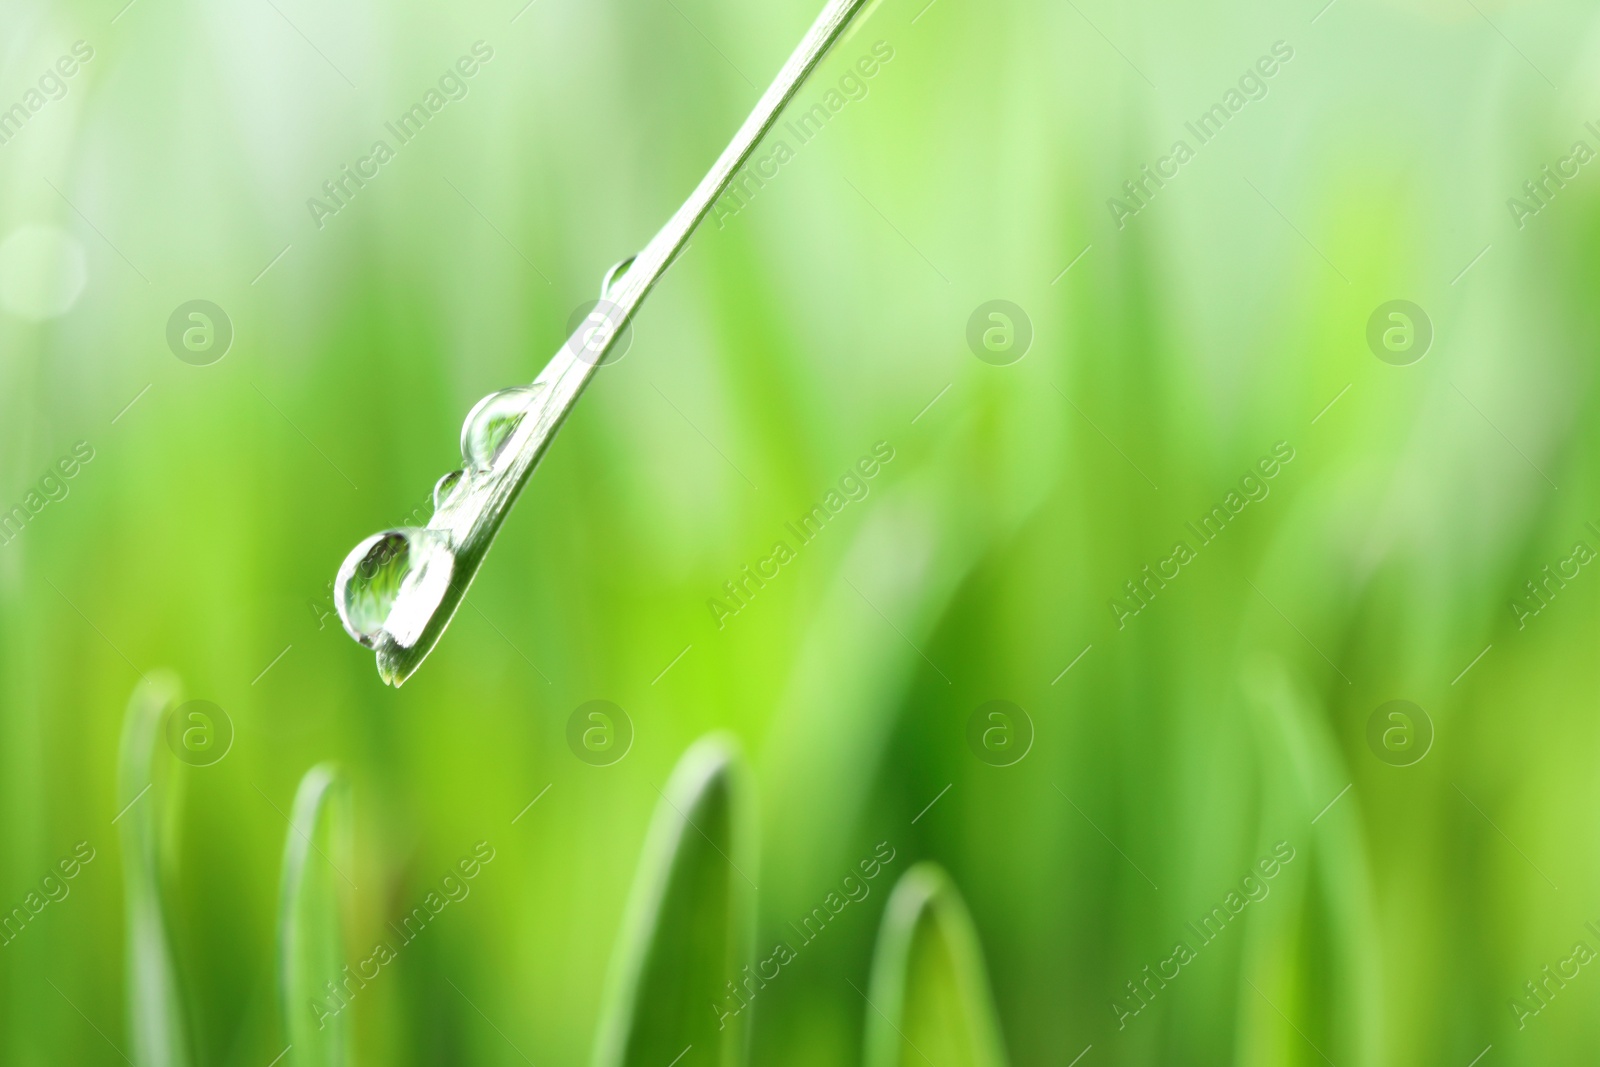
<point x="444" y="487"/>
<point x="368" y="583"/>
<point x="491" y="423"/>
<point x="615" y="275"/>
<point x="392" y="582"/>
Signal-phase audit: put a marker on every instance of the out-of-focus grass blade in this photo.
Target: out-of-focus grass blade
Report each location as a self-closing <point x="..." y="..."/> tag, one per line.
<point x="1315" y="955"/>
<point x="929" y="1001"/>
<point x="316" y="855"/>
<point x="688" y="925"/>
<point x="156" y="1018"/>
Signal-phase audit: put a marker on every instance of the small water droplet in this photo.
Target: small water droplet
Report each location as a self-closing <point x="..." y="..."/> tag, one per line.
<point x="444" y="487"/>
<point x="615" y="275"/>
<point x="405" y="569"/>
<point x="492" y="422"/>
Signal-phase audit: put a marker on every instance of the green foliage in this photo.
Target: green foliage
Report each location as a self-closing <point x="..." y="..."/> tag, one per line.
<point x="825" y="316"/>
<point x="687" y="931"/>
<point x="316" y="859"/>
<point x="929" y="1000"/>
<point x="156" y="1017"/>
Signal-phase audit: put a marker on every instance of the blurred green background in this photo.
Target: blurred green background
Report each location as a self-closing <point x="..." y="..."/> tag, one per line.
<point x="1178" y="350"/>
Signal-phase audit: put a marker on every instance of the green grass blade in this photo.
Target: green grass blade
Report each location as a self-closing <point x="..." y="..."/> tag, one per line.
<point x="1316" y="955"/>
<point x="156" y="1017"/>
<point x="929" y="999"/>
<point x="317" y="1018"/>
<point x="688" y="925"/>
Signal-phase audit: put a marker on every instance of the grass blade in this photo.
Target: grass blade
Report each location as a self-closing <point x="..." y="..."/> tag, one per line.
<point x="929" y="1002"/>
<point x="1316" y="956"/>
<point x="418" y="613"/>
<point x="156" y="1018"/>
<point x="688" y="925"/>
<point x="317" y="1020"/>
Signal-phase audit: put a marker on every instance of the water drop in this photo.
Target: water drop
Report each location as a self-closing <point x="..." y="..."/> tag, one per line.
<point x="444" y="487"/>
<point x="615" y="275"/>
<point x="391" y="582"/>
<point x="492" y="422"/>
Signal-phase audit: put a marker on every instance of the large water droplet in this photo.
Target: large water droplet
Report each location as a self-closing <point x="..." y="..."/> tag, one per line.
<point x="444" y="487"/>
<point x="492" y="422"/>
<point x="390" y="581"/>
